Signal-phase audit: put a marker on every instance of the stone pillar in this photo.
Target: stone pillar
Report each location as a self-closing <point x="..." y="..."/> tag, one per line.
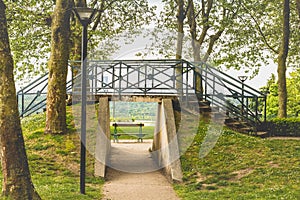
<point x="103" y="144"/>
<point x="165" y="144"/>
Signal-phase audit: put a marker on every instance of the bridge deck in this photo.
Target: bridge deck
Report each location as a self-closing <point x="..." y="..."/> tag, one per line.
<point x="137" y="98"/>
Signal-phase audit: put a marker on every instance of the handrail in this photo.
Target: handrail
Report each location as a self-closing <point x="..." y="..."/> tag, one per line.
<point x="213" y="77"/>
<point x="155" y="77"/>
<point x="226" y="75"/>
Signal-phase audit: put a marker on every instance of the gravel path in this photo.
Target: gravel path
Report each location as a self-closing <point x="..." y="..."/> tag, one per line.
<point x="133" y="174"/>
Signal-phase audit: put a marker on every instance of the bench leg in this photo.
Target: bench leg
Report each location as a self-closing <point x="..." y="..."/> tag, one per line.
<point x="116" y="138"/>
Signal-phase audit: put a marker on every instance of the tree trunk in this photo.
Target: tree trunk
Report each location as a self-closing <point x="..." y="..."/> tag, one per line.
<point x="58" y="67"/>
<point x="17" y="182"/>
<point x="180" y="33"/>
<point x="282" y="57"/>
<point x="298" y="9"/>
<point x="196" y="48"/>
<point x="76" y="48"/>
<point x="211" y="44"/>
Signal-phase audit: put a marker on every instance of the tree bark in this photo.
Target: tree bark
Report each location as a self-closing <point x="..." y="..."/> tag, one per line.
<point x="76" y="45"/>
<point x="298" y="8"/>
<point x="58" y="68"/>
<point x="196" y="44"/>
<point x="180" y="33"/>
<point x="17" y="182"/>
<point x="282" y="57"/>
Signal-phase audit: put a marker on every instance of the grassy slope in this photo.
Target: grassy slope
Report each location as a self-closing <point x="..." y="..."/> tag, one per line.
<point x="238" y="167"/>
<point x="241" y="167"/>
<point x="54" y="162"/>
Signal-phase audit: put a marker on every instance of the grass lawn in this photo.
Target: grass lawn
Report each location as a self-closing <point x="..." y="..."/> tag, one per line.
<point x="241" y="167"/>
<point x="238" y="167"/>
<point x="54" y="162"/>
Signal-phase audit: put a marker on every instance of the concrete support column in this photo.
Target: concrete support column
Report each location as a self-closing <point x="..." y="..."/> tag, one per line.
<point x="103" y="144"/>
<point x="165" y="142"/>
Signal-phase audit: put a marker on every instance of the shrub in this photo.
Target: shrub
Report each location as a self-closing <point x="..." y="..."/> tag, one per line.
<point x="284" y="127"/>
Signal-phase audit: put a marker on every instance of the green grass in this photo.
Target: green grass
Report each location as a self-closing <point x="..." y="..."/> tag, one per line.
<point x="54" y="162"/>
<point x="238" y="167"/>
<point x="241" y="167"/>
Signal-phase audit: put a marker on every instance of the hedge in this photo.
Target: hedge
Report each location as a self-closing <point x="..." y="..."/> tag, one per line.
<point x="283" y="127"/>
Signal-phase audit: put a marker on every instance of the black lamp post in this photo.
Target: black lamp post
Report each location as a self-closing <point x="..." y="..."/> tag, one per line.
<point x="85" y="16"/>
<point x="243" y="79"/>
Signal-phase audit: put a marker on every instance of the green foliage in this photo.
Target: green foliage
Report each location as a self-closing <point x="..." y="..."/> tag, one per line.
<point x="120" y="21"/>
<point x="126" y="111"/>
<point x="29" y="30"/>
<point x="284" y="127"/>
<point x="293" y="88"/>
<point x="241" y="167"/>
<point x="209" y="23"/>
<point x="255" y="36"/>
<point x="29" y="24"/>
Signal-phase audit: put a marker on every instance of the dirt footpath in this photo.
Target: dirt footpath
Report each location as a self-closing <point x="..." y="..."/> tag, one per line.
<point x="133" y="174"/>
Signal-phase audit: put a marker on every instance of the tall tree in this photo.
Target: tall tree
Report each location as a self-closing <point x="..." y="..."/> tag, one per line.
<point x="264" y="33"/>
<point x="282" y="60"/>
<point x="58" y="68"/>
<point x="205" y="20"/>
<point x="17" y="182"/>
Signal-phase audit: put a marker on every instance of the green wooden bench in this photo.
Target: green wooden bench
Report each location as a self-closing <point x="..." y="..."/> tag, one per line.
<point x="139" y="135"/>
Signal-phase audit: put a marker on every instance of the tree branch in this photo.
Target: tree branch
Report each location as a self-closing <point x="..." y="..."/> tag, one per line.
<point x="99" y="14"/>
<point x="212" y="41"/>
<point x="261" y="32"/>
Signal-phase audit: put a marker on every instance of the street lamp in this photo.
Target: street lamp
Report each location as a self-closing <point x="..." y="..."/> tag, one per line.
<point x="242" y="79"/>
<point x="85" y="16"/>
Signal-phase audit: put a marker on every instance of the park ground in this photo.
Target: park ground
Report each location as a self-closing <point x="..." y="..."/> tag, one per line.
<point x="238" y="167"/>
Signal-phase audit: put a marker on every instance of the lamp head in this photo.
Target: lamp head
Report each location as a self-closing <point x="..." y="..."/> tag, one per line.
<point x="243" y="78"/>
<point x="84" y="14"/>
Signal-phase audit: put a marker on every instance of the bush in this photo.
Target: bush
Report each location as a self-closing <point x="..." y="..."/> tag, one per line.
<point x="284" y="127"/>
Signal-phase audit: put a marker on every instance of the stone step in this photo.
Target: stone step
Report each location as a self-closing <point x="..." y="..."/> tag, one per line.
<point x="262" y="134"/>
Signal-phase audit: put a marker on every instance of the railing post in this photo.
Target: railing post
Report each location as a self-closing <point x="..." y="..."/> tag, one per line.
<point x="242" y="99"/>
<point x="265" y="108"/>
<point x="256" y="108"/>
<point x="214" y="90"/>
<point x="181" y="79"/>
<point x="23" y="101"/>
<point x="206" y="79"/>
<point x="96" y="82"/>
<point x="247" y="106"/>
<point x="187" y="82"/>
<point x="120" y="80"/>
<point x="145" y="84"/>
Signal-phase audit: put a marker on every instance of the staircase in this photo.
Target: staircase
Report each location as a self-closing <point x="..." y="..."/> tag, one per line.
<point x="228" y="100"/>
<point x="32" y="98"/>
<point x="219" y="97"/>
